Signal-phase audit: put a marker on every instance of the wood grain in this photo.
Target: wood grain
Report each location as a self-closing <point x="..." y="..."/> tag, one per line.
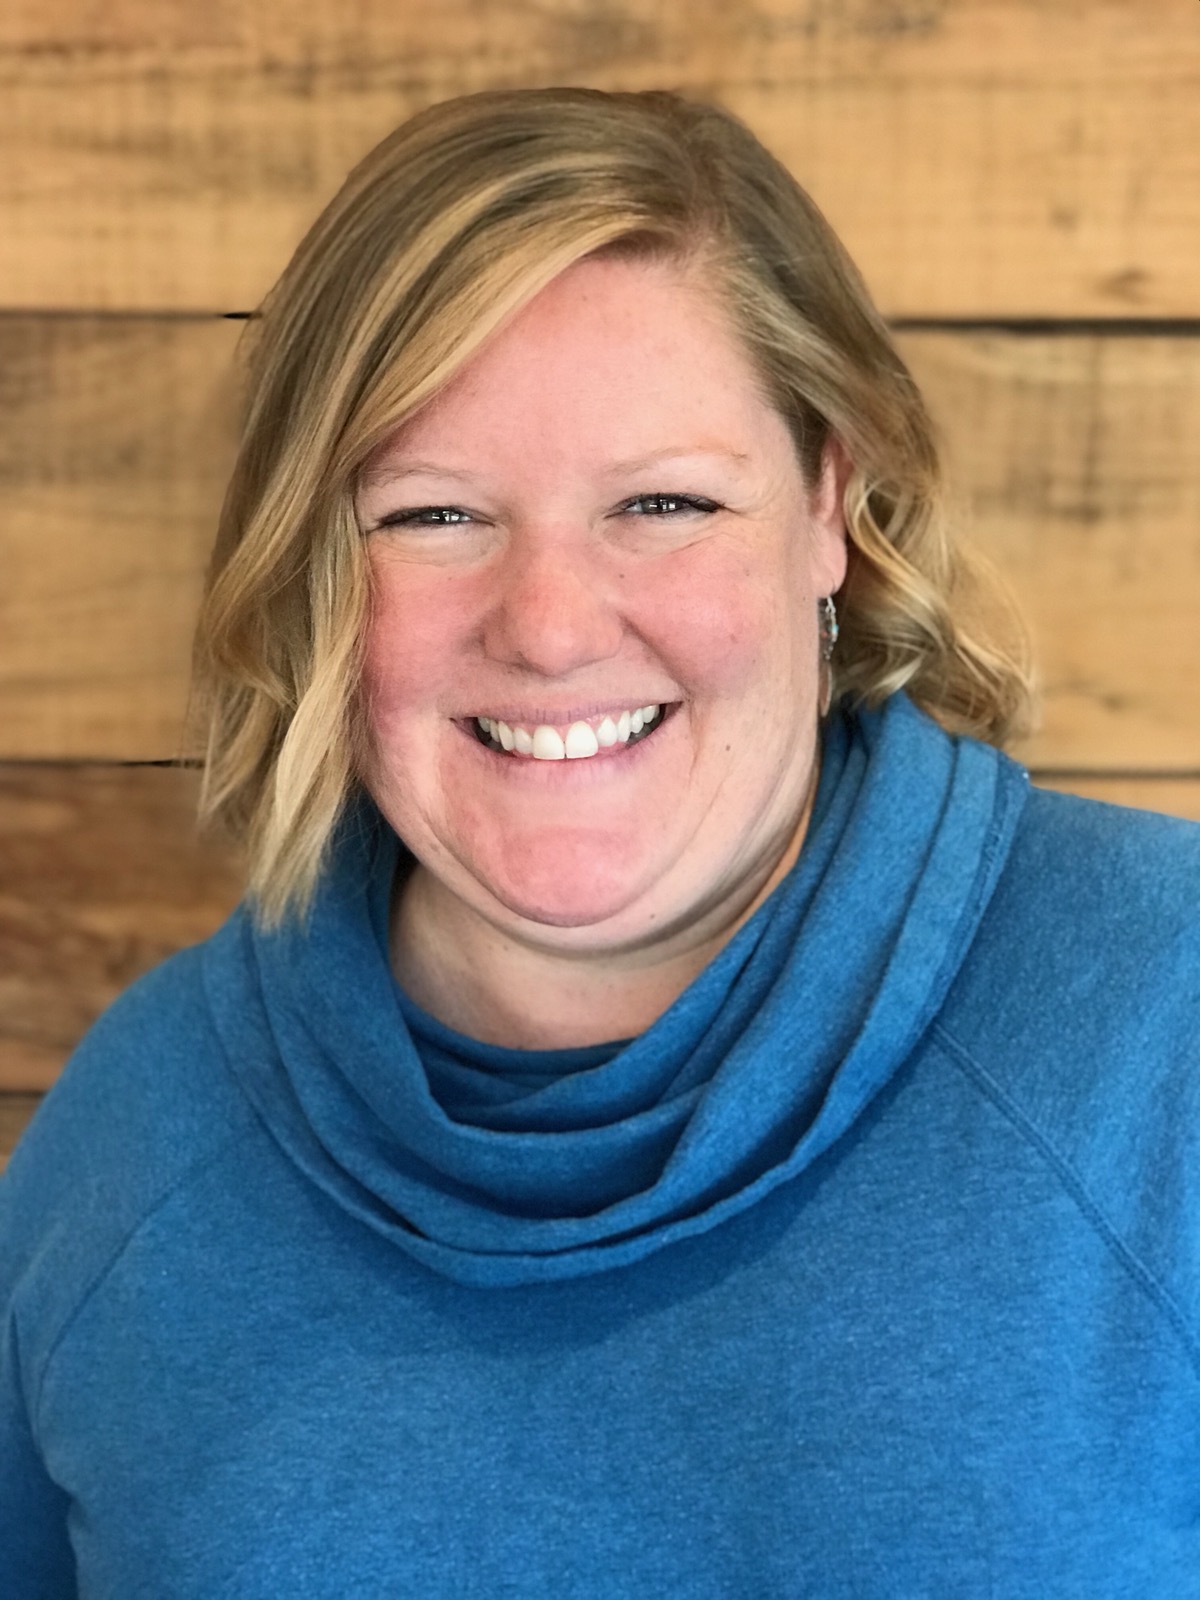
<point x="101" y="876"/>
<point x="980" y="157"/>
<point x="115" y="441"/>
<point x="1076" y="466"/>
<point x="1074" y="458"/>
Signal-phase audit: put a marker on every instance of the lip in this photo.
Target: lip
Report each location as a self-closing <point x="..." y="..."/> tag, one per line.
<point x="563" y="717"/>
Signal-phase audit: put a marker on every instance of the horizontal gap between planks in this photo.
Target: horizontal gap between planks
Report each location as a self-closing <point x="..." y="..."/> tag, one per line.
<point x="1118" y="774"/>
<point x="28" y="763"/>
<point x="117" y="314"/>
<point x="1020" y="327"/>
<point x="1056" y="327"/>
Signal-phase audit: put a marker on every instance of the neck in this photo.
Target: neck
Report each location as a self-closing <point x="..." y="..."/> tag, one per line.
<point x="482" y="980"/>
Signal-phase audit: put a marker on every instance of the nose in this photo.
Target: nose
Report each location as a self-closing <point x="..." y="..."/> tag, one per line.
<point x="553" y="609"/>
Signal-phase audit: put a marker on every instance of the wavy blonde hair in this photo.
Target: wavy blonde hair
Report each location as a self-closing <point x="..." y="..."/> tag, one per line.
<point x="445" y="230"/>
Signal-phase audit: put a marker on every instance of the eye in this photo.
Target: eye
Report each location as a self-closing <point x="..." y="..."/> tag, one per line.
<point x="424" y="517"/>
<point x="660" y="504"/>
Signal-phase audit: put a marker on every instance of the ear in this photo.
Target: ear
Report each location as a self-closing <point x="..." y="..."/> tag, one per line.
<point x="827" y="506"/>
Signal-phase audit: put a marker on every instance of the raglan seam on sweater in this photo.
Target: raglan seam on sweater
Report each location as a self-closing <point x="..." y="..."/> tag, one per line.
<point x="108" y="1266"/>
<point x="1148" y="1281"/>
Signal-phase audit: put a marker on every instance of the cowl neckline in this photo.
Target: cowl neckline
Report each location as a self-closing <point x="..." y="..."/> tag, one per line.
<point x="766" y="1060"/>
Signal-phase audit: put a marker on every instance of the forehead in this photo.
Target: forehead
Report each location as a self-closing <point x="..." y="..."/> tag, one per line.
<point x="614" y="354"/>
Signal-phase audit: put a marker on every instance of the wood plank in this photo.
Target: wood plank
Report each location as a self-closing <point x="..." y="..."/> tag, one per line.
<point x="981" y="157"/>
<point x="1076" y="464"/>
<point x="101" y="877"/>
<point x="1075" y="460"/>
<point x="115" y="441"/>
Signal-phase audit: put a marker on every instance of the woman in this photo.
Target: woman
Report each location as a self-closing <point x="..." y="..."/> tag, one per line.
<point x="676" y="1115"/>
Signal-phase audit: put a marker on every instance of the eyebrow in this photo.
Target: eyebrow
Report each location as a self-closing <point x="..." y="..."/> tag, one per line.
<point x="384" y="476"/>
<point x="381" y="477"/>
<point x="677" y="452"/>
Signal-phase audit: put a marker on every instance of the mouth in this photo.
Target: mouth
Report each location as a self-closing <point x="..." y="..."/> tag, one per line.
<point x="575" y="741"/>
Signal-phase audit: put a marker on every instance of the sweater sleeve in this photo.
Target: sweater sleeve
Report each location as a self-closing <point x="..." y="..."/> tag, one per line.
<point x="141" y="1100"/>
<point x="36" y="1562"/>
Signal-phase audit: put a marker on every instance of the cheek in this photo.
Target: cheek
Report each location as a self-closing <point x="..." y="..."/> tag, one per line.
<point x="726" y="622"/>
<point x="390" y="670"/>
<point x="414" y="638"/>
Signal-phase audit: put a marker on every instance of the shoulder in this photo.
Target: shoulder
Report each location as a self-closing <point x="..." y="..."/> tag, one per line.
<point x="144" y="1092"/>
<point x="1077" y="1010"/>
<point x="1067" y="835"/>
<point x="145" y="1100"/>
<point x="1096" y="911"/>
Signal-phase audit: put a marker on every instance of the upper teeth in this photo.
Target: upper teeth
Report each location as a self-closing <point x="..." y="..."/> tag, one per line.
<point x="545" y="743"/>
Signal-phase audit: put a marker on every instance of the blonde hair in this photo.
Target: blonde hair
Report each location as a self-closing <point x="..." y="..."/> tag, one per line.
<point x="445" y="230"/>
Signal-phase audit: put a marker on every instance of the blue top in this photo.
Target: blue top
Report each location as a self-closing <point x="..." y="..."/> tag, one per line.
<point x="871" y="1269"/>
<point x="460" y="1069"/>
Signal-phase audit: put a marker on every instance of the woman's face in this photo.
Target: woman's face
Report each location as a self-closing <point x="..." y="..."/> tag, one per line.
<point x="600" y="514"/>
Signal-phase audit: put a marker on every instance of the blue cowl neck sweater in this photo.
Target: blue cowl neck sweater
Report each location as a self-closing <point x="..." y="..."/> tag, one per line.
<point x="871" y="1269"/>
<point x="691" y="1123"/>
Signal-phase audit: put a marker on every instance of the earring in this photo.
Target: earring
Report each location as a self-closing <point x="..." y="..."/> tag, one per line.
<point x="827" y="615"/>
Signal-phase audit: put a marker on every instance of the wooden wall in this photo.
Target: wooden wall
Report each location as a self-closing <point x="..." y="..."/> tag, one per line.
<point x="1019" y="179"/>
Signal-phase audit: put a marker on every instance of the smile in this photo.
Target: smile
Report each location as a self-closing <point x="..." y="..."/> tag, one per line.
<point x="575" y="743"/>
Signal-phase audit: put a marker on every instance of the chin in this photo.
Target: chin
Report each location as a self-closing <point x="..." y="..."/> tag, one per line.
<point x="561" y="894"/>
